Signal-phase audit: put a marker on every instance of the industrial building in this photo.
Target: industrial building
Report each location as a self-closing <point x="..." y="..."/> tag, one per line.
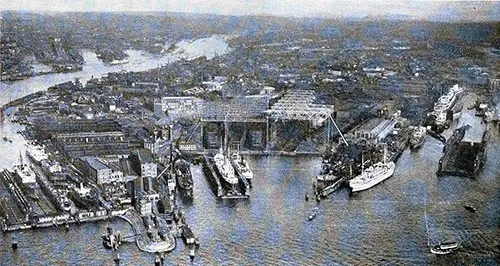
<point x="98" y="170"/>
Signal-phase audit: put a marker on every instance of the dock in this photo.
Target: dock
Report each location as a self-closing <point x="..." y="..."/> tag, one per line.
<point x="143" y="242"/>
<point x="464" y="152"/>
<point x="215" y="180"/>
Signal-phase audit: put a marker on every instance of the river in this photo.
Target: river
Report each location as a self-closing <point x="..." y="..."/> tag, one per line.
<point x="93" y="67"/>
<point x="382" y="226"/>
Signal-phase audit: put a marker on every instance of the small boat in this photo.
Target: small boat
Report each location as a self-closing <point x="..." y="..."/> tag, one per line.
<point x="470" y="208"/>
<point x="14" y="243"/>
<point x="417" y="138"/>
<point x="157" y="260"/>
<point x="444" y="248"/>
<point x="116" y="257"/>
<point x="311" y="216"/>
<point x="191" y="254"/>
<point x="307" y="197"/>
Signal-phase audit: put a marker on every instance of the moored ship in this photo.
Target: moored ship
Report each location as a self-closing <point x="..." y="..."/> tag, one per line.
<point x="241" y="166"/>
<point x="225" y="169"/>
<point x="36" y="153"/>
<point x="24" y="172"/>
<point x="443" y="107"/>
<point x="184" y="176"/>
<point x="373" y="175"/>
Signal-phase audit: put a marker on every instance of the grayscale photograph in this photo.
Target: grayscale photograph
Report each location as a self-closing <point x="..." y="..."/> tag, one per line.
<point x="260" y="132"/>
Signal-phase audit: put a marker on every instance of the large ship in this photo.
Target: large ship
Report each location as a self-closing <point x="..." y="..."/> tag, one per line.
<point x="36" y="153"/>
<point x="417" y="138"/>
<point x="184" y="177"/>
<point x="444" y="106"/>
<point x="241" y="166"/>
<point x="24" y="172"/>
<point x="373" y="175"/>
<point x="224" y="168"/>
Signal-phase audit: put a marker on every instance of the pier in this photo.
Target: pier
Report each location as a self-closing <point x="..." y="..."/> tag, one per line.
<point x="143" y="242"/>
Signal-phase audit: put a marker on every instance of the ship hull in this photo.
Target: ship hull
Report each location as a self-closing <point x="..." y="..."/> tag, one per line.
<point x="373" y="182"/>
<point x="330" y="188"/>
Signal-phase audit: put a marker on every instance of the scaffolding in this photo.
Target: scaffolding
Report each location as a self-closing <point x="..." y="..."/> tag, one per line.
<point x="299" y="105"/>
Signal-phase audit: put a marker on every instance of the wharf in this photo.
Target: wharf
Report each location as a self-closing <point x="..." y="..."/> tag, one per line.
<point x="54" y="221"/>
<point x="262" y="153"/>
<point x="143" y="242"/>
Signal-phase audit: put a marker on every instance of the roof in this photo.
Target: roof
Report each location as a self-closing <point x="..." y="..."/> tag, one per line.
<point x="238" y="109"/>
<point x="144" y="156"/>
<point x="126" y="167"/>
<point x="95" y="163"/>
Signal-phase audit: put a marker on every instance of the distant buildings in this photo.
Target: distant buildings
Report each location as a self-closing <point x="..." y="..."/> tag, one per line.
<point x="187" y="106"/>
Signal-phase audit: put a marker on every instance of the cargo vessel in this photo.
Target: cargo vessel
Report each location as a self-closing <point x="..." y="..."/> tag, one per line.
<point x="184" y="177"/>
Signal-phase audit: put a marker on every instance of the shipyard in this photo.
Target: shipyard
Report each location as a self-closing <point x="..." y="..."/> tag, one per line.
<point x="257" y="134"/>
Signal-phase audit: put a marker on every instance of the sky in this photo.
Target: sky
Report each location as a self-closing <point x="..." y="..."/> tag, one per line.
<point x="450" y="10"/>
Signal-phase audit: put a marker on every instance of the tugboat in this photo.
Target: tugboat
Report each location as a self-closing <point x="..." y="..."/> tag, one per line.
<point x="441" y="248"/>
<point x="313" y="214"/>
<point x="470" y="208"/>
<point x="184" y="176"/>
<point x="14" y="242"/>
<point x="108" y="239"/>
<point x="417" y="138"/>
<point x="444" y="248"/>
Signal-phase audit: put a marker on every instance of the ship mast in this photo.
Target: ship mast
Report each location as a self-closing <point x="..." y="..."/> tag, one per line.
<point x="426" y="225"/>
<point x="362" y="163"/>
<point x="385" y="151"/>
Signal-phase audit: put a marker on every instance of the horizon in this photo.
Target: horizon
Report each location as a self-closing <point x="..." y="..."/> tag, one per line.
<point x="433" y="11"/>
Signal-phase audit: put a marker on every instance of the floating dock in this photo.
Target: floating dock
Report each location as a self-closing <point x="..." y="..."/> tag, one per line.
<point x="218" y="185"/>
<point x="464" y="152"/>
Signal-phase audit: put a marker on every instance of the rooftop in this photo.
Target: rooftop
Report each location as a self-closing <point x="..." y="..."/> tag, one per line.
<point x="95" y="163"/>
<point x="235" y="110"/>
<point x="144" y="155"/>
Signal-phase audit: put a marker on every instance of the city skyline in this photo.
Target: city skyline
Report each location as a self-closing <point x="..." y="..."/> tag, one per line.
<point x="447" y="11"/>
